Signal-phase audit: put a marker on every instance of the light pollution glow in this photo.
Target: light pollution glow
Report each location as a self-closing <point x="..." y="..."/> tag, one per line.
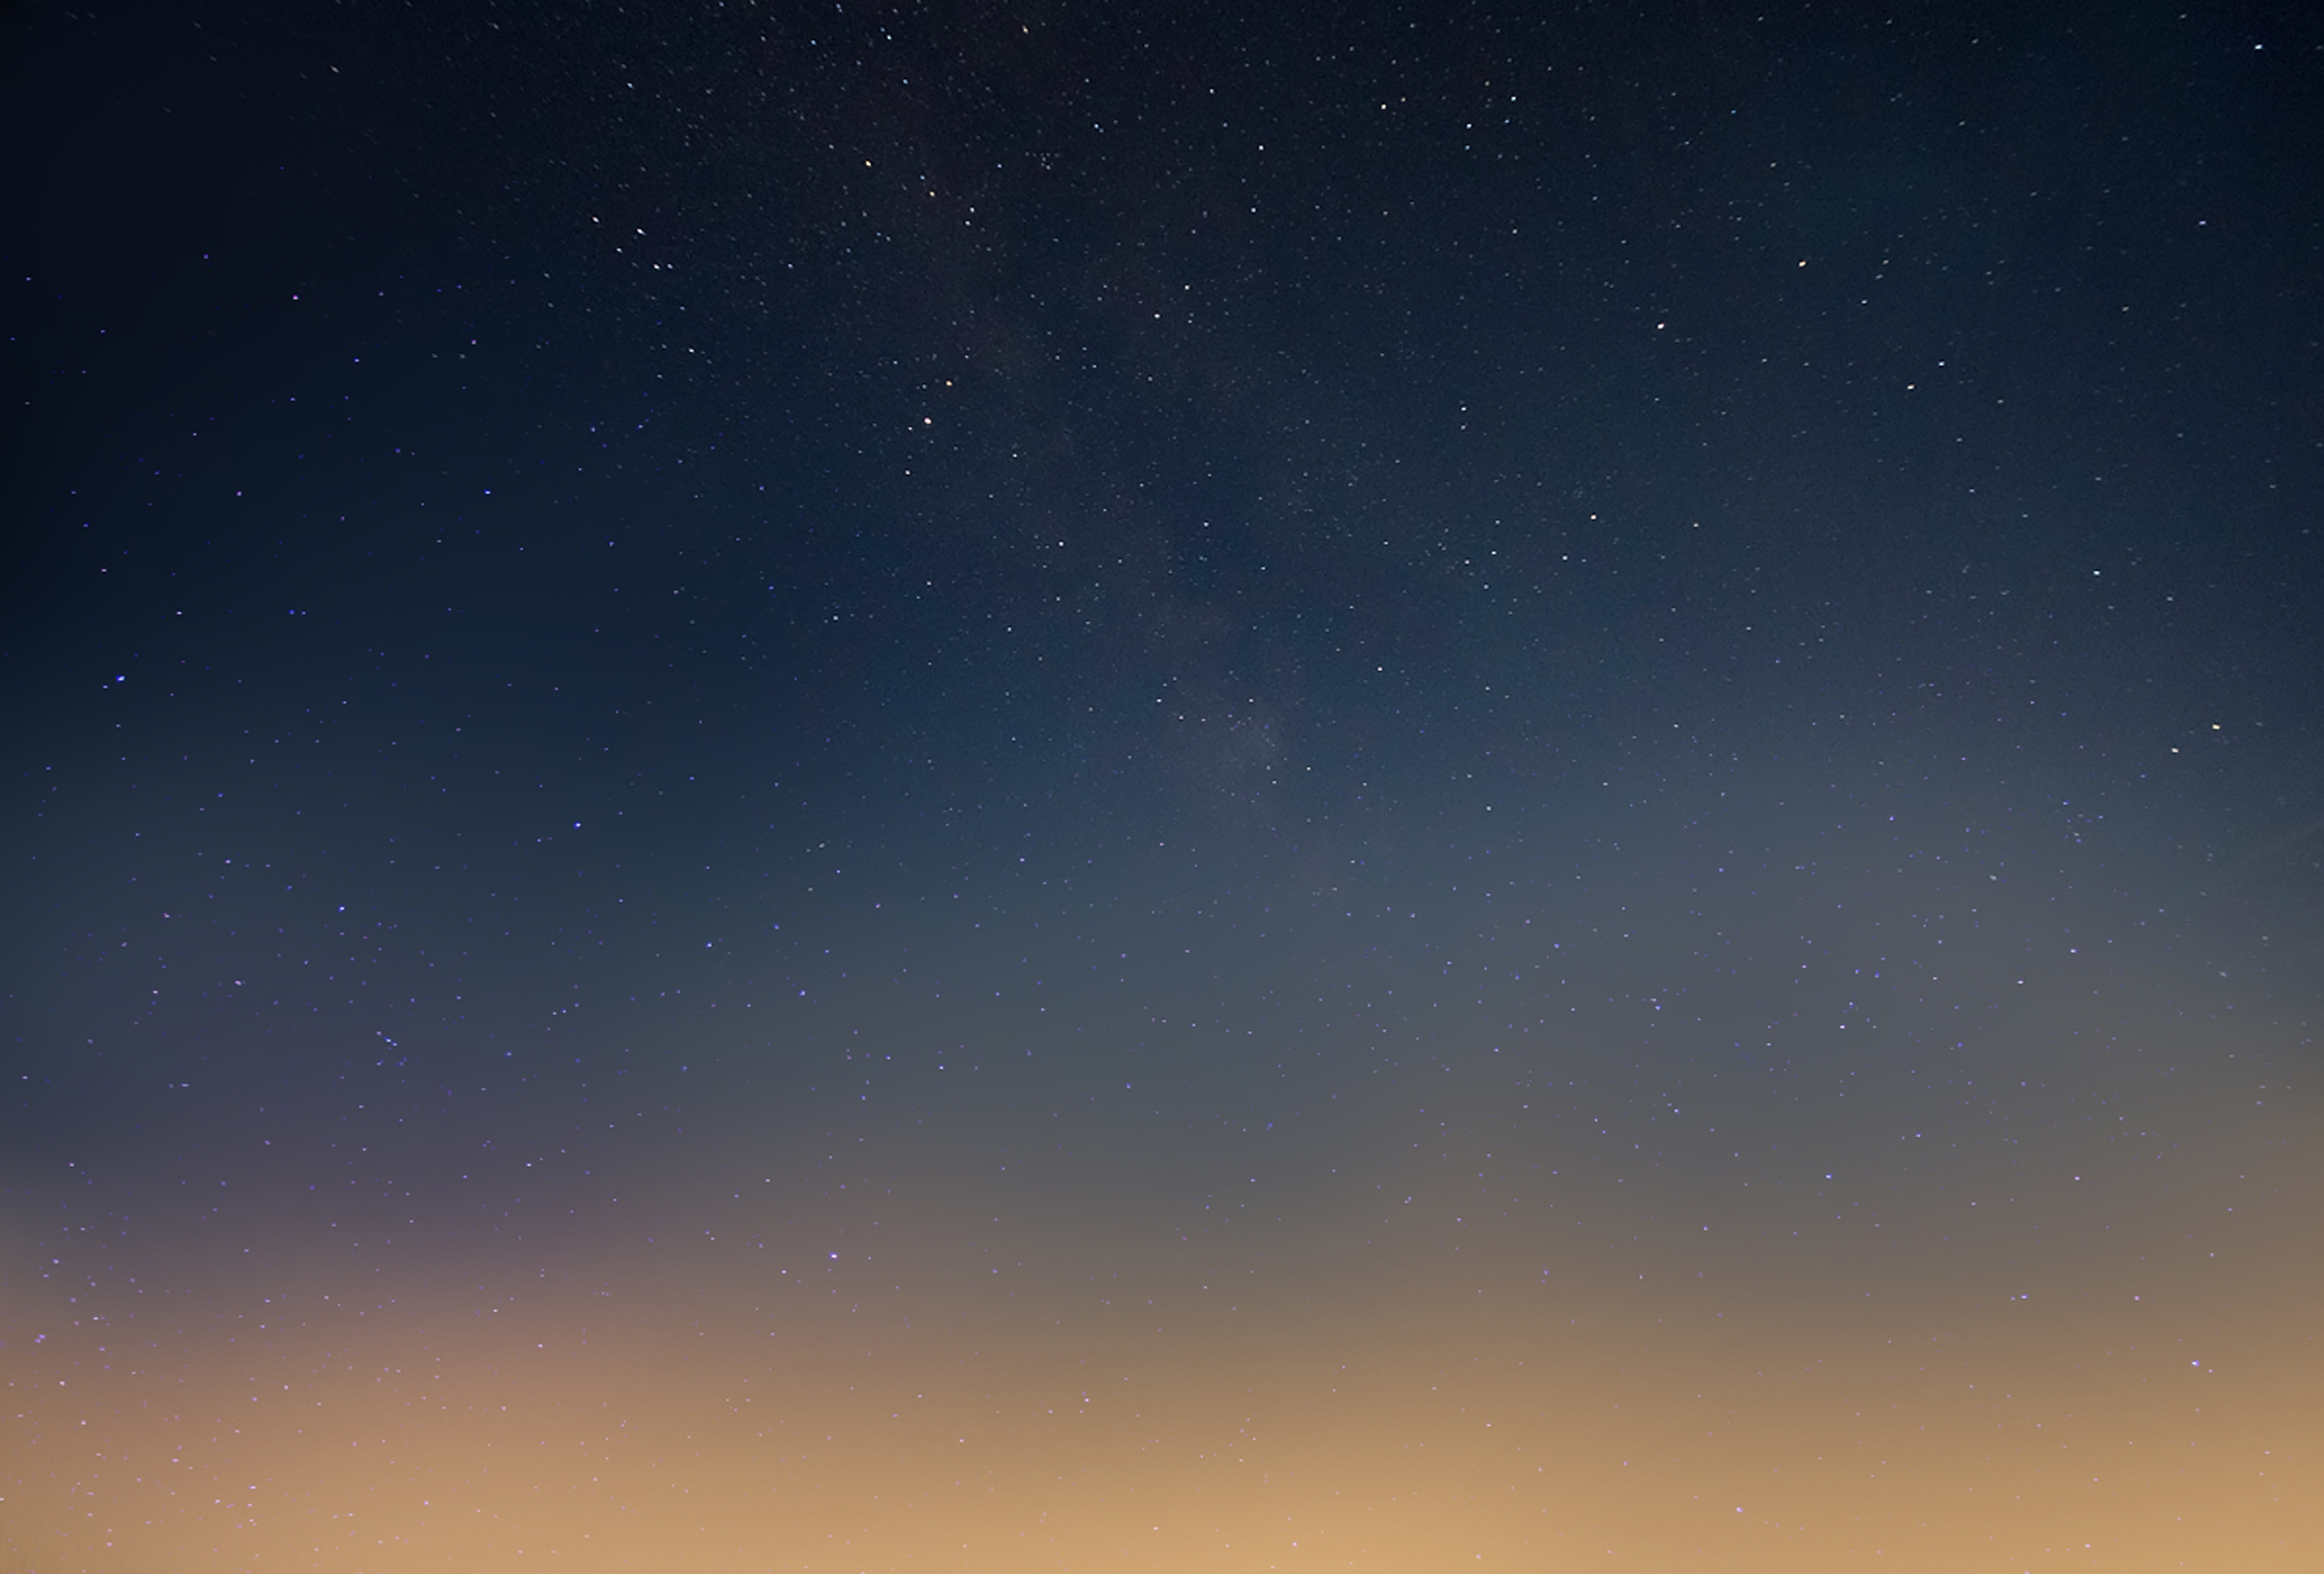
<point x="1539" y="1385"/>
<point x="1402" y="1256"/>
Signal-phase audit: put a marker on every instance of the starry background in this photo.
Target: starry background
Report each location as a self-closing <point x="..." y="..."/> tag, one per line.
<point x="1039" y="787"/>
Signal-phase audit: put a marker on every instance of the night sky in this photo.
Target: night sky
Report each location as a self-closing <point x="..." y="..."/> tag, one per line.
<point x="1019" y="786"/>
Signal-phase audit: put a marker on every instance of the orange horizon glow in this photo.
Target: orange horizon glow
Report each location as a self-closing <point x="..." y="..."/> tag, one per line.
<point x="1516" y="1391"/>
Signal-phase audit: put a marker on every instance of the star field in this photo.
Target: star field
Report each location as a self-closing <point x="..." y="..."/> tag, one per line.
<point x="875" y="787"/>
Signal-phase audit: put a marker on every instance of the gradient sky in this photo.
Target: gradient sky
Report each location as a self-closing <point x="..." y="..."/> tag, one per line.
<point x="1135" y="787"/>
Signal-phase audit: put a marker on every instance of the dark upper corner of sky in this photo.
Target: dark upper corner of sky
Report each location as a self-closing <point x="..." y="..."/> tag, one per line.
<point x="1372" y="177"/>
<point x="1351" y="288"/>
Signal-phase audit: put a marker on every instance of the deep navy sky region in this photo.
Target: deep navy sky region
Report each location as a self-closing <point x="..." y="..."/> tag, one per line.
<point x="1147" y="787"/>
